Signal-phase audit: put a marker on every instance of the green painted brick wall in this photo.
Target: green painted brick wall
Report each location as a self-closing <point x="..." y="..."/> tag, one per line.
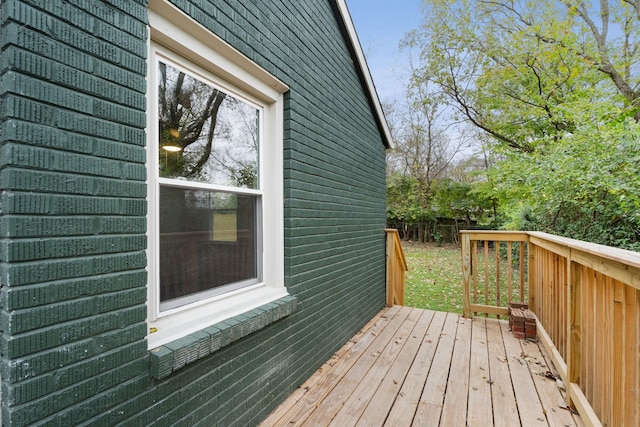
<point x="73" y="206"/>
<point x="72" y="230"/>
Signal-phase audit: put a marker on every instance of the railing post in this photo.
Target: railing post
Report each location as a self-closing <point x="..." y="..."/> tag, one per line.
<point x="465" y="247"/>
<point x="396" y="267"/>
<point x="390" y="269"/>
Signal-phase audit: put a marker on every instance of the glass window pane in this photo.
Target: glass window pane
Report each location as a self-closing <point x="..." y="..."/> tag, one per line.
<point x="206" y="135"/>
<point x="208" y="244"/>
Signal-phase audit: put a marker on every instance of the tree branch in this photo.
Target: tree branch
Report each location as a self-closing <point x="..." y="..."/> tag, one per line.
<point x="604" y="63"/>
<point x="635" y="4"/>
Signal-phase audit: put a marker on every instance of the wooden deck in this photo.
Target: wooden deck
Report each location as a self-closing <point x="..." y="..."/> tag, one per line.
<point x="424" y="368"/>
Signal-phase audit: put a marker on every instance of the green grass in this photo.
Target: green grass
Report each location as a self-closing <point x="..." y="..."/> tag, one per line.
<point x="434" y="279"/>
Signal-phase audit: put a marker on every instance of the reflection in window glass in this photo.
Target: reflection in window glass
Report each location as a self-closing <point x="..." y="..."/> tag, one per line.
<point x="225" y="225"/>
<point x="193" y="263"/>
<point x="206" y="135"/>
<point x="209" y="238"/>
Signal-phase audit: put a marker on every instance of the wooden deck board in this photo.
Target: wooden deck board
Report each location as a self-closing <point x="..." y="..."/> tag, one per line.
<point x="550" y="396"/>
<point x="355" y="405"/>
<point x="303" y="401"/>
<point x="479" y="411"/>
<point x="432" y="398"/>
<point x="454" y="411"/>
<point x="529" y="406"/>
<point x="330" y="405"/>
<point x="419" y="367"/>
<point x="406" y="402"/>
<point x="379" y="405"/>
<point x="501" y="389"/>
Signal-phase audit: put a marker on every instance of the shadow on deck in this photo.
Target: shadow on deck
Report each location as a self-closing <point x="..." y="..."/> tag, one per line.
<point x="419" y="367"/>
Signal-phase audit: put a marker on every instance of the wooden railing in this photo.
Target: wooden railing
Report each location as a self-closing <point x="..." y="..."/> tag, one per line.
<point x="496" y="275"/>
<point x="396" y="268"/>
<point x="586" y="298"/>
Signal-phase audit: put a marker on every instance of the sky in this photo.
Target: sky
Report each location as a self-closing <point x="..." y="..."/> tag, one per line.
<point x="381" y="25"/>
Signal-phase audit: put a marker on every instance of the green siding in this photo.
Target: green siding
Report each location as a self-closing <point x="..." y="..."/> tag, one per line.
<point x="72" y="224"/>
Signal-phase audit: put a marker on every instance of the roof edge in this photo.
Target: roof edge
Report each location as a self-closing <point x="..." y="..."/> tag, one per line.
<point x="364" y="71"/>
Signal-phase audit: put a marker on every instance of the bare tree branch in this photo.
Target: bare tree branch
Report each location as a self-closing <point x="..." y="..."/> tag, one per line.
<point x="604" y="63"/>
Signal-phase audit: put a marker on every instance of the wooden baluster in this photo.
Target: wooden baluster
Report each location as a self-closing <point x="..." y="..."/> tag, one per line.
<point x="509" y="273"/>
<point x="498" y="284"/>
<point x="465" y="247"/>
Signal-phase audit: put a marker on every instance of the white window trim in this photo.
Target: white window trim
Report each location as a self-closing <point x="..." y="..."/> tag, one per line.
<point x="184" y="36"/>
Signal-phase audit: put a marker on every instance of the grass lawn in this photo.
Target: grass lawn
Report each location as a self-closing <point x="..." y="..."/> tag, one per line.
<point x="434" y="279"/>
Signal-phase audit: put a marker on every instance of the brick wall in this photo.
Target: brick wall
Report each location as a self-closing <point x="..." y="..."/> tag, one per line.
<point x="73" y="203"/>
<point x="72" y="230"/>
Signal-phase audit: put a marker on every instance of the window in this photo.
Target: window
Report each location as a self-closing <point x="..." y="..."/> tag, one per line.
<point x="215" y="180"/>
<point x="209" y="193"/>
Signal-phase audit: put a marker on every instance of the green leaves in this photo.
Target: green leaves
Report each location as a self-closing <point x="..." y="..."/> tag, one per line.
<point x="553" y="88"/>
<point x="586" y="186"/>
<point x="406" y="201"/>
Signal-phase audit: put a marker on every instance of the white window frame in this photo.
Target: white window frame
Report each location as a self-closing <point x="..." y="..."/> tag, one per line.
<point x="176" y="36"/>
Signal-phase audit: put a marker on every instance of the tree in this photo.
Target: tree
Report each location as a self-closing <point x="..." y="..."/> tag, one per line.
<point x="405" y="208"/>
<point x="423" y="152"/>
<point x="460" y="201"/>
<point x="616" y="57"/>
<point x="586" y="187"/>
<point x="212" y="136"/>
<point x="552" y="86"/>
<point x="498" y="76"/>
<point x="187" y="108"/>
<point x="424" y="147"/>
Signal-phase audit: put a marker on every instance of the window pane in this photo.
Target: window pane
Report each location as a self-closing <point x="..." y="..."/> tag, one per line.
<point x="206" y="135"/>
<point x="208" y="244"/>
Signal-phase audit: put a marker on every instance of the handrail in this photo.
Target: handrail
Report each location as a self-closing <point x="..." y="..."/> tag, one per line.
<point x="587" y="301"/>
<point x="396" y="268"/>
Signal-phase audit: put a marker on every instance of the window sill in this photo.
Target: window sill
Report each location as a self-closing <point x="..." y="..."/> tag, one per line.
<point x="176" y="354"/>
